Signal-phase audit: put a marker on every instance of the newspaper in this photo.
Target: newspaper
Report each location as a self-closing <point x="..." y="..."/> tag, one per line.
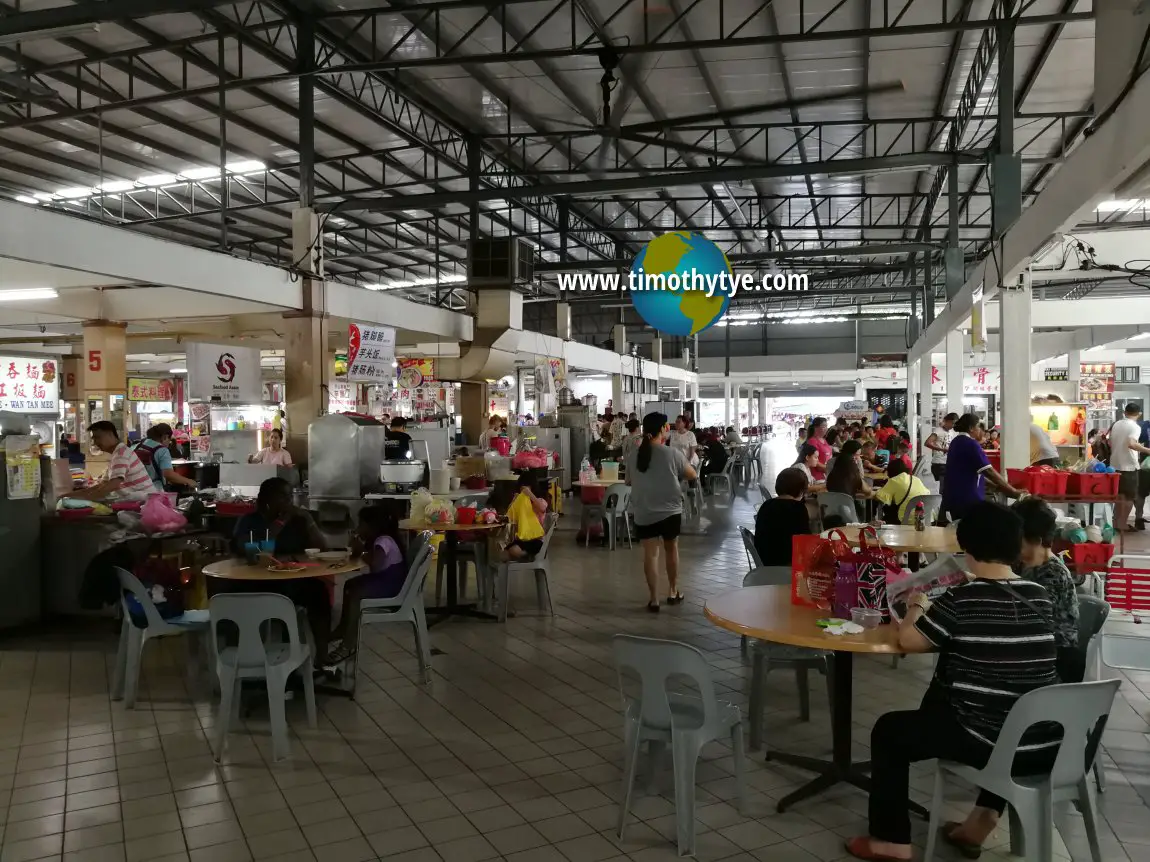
<point x="933" y="580"/>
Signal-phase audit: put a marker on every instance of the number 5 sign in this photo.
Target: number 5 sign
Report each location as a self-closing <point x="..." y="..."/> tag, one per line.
<point x="103" y="362"/>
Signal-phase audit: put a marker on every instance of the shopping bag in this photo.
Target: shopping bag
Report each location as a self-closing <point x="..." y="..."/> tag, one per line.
<point x="874" y="564"/>
<point x="814" y="564"/>
<point x="158" y="515"/>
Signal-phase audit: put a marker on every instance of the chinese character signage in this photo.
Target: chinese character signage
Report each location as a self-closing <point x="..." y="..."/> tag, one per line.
<point x="1096" y="385"/>
<point x="370" y="353"/>
<point x="341" y="397"/>
<point x="979" y="380"/>
<point x="147" y="389"/>
<point x="225" y="372"/>
<point x="1056" y="375"/>
<point x="29" y="385"/>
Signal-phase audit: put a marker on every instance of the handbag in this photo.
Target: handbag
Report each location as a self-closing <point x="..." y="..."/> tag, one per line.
<point x="873" y="563"/>
<point x="814" y="568"/>
<point x="890" y="510"/>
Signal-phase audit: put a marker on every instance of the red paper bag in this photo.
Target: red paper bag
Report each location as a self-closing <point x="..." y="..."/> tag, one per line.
<point x="814" y="561"/>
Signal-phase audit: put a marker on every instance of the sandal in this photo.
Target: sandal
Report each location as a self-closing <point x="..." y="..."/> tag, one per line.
<point x="653" y="607"/>
<point x="339" y="656"/>
<point x="964" y="848"/>
<point x="676" y="599"/>
<point x="860" y="848"/>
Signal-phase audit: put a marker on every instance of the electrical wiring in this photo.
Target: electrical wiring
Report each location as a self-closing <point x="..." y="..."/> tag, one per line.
<point x="294" y="270"/>
<point x="1135" y="74"/>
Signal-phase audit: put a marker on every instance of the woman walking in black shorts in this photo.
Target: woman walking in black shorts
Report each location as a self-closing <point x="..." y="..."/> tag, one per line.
<point x="654" y="471"/>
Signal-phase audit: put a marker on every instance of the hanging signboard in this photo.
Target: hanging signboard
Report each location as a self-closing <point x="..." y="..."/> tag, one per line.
<point x="1056" y="375"/>
<point x="225" y="372"/>
<point x="414" y="373"/>
<point x="147" y="389"/>
<point x="1096" y="385"/>
<point x="29" y="385"/>
<point x="370" y="353"/>
<point x="979" y="380"/>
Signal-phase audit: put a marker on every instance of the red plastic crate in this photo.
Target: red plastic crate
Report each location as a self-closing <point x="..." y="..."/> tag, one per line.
<point x="1091" y="556"/>
<point x="1051" y="483"/>
<point x="1020" y="479"/>
<point x="1093" y="484"/>
<point x="994" y="456"/>
<point x="234" y="509"/>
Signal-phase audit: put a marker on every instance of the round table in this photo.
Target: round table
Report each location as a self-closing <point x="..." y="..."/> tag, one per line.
<point x="766" y="613"/>
<point x="239" y="570"/>
<point x="450" y="544"/>
<point x="905" y="538"/>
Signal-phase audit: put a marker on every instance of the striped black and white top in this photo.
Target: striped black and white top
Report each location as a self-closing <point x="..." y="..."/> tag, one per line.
<point x="995" y="648"/>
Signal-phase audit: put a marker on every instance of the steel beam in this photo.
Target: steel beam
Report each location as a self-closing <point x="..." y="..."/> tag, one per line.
<point x="904" y="161"/>
<point x="41" y="23"/>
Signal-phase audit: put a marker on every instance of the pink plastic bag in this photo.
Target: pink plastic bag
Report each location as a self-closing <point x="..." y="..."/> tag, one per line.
<point x="159" y="515"/>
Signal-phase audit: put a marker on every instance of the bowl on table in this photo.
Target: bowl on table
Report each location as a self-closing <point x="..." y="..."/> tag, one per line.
<point x="341" y="556"/>
<point x="868" y="618"/>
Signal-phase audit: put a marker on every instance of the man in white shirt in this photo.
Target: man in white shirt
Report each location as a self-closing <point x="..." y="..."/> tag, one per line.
<point x="1042" y="450"/>
<point x="1124" y="449"/>
<point x="938" y="442"/>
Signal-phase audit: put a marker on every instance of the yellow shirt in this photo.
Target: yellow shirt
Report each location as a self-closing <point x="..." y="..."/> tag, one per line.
<point x="895" y="491"/>
<point x="521" y="513"/>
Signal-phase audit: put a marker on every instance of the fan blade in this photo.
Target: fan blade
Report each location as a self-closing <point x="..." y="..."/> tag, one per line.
<point x="678" y="146"/>
<point x="734" y="113"/>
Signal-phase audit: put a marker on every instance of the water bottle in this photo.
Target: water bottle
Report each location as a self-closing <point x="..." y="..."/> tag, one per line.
<point x="919" y="517"/>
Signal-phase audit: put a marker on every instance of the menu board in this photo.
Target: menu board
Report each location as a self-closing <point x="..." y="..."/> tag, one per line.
<point x="341" y="397"/>
<point x="145" y="389"/>
<point x="370" y="353"/>
<point x="1096" y="385"/>
<point x="29" y="385"/>
<point x="22" y="461"/>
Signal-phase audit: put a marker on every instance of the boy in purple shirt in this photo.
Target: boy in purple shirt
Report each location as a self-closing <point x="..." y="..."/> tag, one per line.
<point x="968" y="470"/>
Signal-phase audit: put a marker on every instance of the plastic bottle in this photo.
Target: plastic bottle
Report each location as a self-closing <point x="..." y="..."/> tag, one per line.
<point x="919" y="517"/>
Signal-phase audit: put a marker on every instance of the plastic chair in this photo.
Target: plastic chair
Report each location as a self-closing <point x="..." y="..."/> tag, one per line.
<point x="931" y="504"/>
<point x="767" y="656"/>
<point x="837" y="503"/>
<point x="1082" y="709"/>
<point x="406" y="607"/>
<point x="618" y="505"/>
<point x="540" y="566"/>
<point x="724" y="476"/>
<point x="257" y="656"/>
<point x="659" y="717"/>
<point x="594" y="509"/>
<point x="753" y="562"/>
<point x="130" y="654"/>
<point x="1092" y="616"/>
<point x="465" y="552"/>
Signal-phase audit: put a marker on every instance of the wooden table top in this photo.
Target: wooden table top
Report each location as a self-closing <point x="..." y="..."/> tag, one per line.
<point x="766" y="613"/>
<point x="598" y="483"/>
<point x="904" y="537"/>
<point x="421" y="526"/>
<point x="239" y="570"/>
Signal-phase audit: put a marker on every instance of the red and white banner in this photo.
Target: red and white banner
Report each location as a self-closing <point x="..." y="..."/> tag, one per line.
<point x="370" y="353"/>
<point x="29" y="384"/>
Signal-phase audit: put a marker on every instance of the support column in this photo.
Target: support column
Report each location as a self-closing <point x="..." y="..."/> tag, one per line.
<point x="103" y="384"/>
<point x="306" y="367"/>
<point x="726" y="403"/>
<point x="657" y="350"/>
<point x="473" y="409"/>
<point x="912" y="400"/>
<point x="1006" y="177"/>
<point x="763" y="419"/>
<point x="926" y="420"/>
<point x="1014" y="362"/>
<point x="954" y="266"/>
<point x="750" y="399"/>
<point x="860" y="390"/>
<point x="563" y="320"/>
<point x="954" y="355"/>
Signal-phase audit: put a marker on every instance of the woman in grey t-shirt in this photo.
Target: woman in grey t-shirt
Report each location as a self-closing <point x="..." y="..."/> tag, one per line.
<point x="654" y="471"/>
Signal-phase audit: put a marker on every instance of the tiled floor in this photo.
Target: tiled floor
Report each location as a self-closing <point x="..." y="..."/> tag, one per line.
<point x="513" y="752"/>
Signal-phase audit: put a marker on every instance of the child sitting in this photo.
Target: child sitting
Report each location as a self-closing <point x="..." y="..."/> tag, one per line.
<point x="525" y="516"/>
<point x="376" y="543"/>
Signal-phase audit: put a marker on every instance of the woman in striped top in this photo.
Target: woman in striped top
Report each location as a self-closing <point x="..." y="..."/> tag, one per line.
<point x="995" y="639"/>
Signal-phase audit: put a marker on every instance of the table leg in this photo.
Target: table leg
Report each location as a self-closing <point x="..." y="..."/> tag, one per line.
<point x="453" y="608"/>
<point x="840" y="768"/>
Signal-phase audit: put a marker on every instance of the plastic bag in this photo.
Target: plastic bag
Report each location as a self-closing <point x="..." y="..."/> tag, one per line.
<point x="159" y="515"/>
<point x="814" y="566"/>
<point x="420" y="499"/>
<point x="439" y="512"/>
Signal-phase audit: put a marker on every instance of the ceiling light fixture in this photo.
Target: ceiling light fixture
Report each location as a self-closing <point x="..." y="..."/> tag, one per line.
<point x="27" y="199"/>
<point x="1113" y="206"/>
<point x="116" y="186"/>
<point x="49" y="33"/>
<point x="27" y="294"/>
<point x="177" y="371"/>
<point x="246" y="166"/>
<point x="200" y="173"/>
<point x="157" y="180"/>
<point x="73" y="193"/>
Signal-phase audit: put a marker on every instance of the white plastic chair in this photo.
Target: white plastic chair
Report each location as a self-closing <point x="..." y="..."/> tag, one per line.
<point x="753" y="562"/>
<point x="659" y="717"/>
<point x="617" y="505"/>
<point x="931" y="506"/>
<point x="1081" y="709"/>
<point x="405" y="607"/>
<point x="540" y="566"/>
<point x="129" y="656"/>
<point x="837" y="503"/>
<point x="724" y="476"/>
<point x="258" y="656"/>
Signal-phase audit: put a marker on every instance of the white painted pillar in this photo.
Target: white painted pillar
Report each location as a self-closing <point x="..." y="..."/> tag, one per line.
<point x="954" y="354"/>
<point x="657" y="350"/>
<point x="912" y="384"/>
<point x="1014" y="362"/>
<point x="926" y="421"/>
<point x="726" y="403"/>
<point x="1074" y="371"/>
<point x="750" y="399"/>
<point x="563" y="320"/>
<point x="860" y="390"/>
<point x="682" y="390"/>
<point x="763" y="420"/>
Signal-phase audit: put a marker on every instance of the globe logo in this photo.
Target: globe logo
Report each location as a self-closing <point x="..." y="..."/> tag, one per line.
<point x="681" y="283"/>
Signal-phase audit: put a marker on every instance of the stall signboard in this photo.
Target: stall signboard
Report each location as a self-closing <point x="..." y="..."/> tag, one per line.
<point x="853" y="411"/>
<point x="1096" y="385"/>
<point x="1056" y="375"/>
<point x="341" y="397"/>
<point x="70" y="378"/>
<point x="148" y="389"/>
<point x="370" y="353"/>
<point x="225" y="372"/>
<point x="29" y="384"/>
<point x="978" y="380"/>
<point x="414" y="373"/>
